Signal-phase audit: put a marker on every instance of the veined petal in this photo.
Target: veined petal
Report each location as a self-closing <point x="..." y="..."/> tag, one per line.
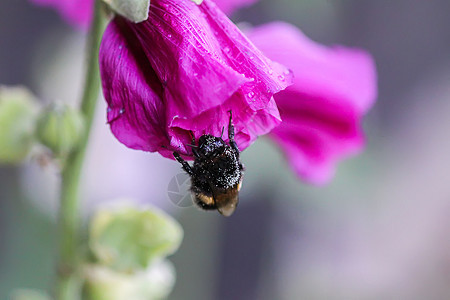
<point x="139" y="124"/>
<point x="322" y="110"/>
<point x="181" y="71"/>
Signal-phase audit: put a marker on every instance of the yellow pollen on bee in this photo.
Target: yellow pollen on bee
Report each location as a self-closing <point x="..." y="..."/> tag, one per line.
<point x="205" y="199"/>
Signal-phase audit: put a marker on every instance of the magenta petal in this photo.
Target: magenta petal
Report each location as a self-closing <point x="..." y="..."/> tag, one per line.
<point x="76" y="12"/>
<point x="321" y="113"/>
<point x="182" y="70"/>
<point x="139" y="123"/>
<point x="316" y="133"/>
<point x="228" y="6"/>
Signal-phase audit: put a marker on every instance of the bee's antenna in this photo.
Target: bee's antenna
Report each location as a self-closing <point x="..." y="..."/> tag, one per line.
<point x="223" y="129"/>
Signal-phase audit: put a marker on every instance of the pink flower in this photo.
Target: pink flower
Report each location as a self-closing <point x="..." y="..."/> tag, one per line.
<point x="181" y="71"/>
<point x="228" y="6"/>
<point x="76" y="12"/>
<point x="321" y="112"/>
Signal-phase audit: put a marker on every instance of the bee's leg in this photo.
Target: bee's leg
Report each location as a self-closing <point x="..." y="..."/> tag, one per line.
<point x="194" y="151"/>
<point x="184" y="163"/>
<point x="193" y="138"/>
<point x="231" y="134"/>
<point x="193" y="145"/>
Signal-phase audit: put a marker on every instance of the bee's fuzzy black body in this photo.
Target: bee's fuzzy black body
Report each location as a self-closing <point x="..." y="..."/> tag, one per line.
<point x="216" y="174"/>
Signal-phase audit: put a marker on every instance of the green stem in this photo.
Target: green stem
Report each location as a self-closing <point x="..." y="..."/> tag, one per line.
<point x="67" y="282"/>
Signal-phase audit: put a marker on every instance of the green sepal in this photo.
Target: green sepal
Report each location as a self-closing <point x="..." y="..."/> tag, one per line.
<point x="134" y="10"/>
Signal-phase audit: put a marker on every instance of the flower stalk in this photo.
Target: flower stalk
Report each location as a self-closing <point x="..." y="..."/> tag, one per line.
<point x="67" y="281"/>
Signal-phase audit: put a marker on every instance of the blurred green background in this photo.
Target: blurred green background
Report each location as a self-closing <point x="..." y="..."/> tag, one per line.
<point x="380" y="230"/>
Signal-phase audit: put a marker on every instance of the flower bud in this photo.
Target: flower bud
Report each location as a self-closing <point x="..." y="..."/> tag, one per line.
<point x="28" y="294"/>
<point x="102" y="283"/>
<point x="60" y="128"/>
<point x="131" y="239"/>
<point x="18" y="112"/>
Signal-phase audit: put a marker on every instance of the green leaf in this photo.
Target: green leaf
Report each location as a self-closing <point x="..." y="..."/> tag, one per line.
<point x="133" y="10"/>
<point x="130" y="239"/>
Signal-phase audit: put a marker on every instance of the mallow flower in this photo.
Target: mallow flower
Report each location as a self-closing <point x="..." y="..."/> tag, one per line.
<point x="177" y="75"/>
<point x="180" y="43"/>
<point x="321" y="112"/>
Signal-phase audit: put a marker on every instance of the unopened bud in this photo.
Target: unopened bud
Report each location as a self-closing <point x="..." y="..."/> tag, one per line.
<point x="18" y="111"/>
<point x="60" y="128"/>
<point x="28" y="294"/>
<point x="131" y="239"/>
<point x="103" y="283"/>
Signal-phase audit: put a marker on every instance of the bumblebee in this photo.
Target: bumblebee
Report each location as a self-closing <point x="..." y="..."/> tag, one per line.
<point x="216" y="175"/>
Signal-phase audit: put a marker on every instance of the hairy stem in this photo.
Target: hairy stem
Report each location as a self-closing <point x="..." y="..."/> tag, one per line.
<point x="67" y="287"/>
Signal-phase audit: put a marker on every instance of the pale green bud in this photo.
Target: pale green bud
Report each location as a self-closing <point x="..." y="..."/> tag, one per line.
<point x="18" y="111"/>
<point x="60" y="128"/>
<point x="130" y="239"/>
<point x="102" y="283"/>
<point x="28" y="294"/>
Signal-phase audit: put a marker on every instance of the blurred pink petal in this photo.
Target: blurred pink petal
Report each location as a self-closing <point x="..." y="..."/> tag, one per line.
<point x="76" y="12"/>
<point x="229" y="6"/>
<point x="182" y="70"/>
<point x="333" y="88"/>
